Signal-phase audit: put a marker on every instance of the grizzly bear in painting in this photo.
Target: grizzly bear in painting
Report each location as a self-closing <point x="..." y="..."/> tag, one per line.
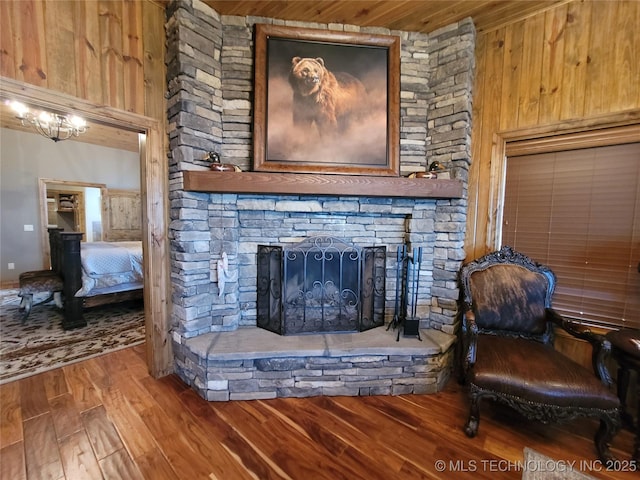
<point x="328" y="100"/>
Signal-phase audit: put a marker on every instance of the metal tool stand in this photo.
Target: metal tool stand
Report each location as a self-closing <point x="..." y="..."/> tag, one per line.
<point x="407" y="282"/>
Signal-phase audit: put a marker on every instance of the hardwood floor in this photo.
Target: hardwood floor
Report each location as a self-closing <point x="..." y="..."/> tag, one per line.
<point x="107" y="418"/>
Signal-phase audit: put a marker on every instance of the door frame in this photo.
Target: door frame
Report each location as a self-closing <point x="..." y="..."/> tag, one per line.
<point x="154" y="189"/>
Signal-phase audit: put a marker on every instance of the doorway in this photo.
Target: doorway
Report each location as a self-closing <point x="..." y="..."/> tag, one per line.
<point x="154" y="199"/>
<point x="71" y="205"/>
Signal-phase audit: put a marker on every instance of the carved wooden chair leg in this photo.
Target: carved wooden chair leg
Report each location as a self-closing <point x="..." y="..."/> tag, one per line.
<point x="471" y="428"/>
<point x="609" y="426"/>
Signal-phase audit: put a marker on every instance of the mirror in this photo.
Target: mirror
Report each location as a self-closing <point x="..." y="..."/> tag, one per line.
<point x="73" y="206"/>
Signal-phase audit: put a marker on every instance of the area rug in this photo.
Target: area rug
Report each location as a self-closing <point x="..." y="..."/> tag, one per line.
<point x="540" y="467"/>
<point x="41" y="344"/>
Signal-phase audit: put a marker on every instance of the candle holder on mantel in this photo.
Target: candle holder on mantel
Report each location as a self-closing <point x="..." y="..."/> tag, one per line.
<point x="218" y="166"/>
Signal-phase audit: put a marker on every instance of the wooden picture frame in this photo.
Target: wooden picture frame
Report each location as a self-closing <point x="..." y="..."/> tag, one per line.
<point x="326" y="102"/>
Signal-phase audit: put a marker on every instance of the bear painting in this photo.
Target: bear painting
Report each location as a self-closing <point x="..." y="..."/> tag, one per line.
<point x="329" y="100"/>
<point x="326" y="104"/>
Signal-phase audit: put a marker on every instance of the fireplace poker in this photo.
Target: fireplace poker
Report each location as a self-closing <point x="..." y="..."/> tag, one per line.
<point x="399" y="265"/>
<point x="416" y="281"/>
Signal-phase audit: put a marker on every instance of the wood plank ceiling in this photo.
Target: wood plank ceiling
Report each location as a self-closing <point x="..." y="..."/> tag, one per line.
<point x="409" y="15"/>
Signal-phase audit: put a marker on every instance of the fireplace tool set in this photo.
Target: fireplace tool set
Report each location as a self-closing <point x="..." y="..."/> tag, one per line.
<point x="407" y="282"/>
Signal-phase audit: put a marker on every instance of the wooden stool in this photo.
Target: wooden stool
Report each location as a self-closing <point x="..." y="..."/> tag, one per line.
<point x="625" y="345"/>
<point x="39" y="281"/>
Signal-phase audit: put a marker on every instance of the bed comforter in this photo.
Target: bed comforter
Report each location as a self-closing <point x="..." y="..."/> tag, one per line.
<point x="109" y="267"/>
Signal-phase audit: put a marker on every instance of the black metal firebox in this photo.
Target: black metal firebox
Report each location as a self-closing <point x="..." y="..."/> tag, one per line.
<point x="322" y="284"/>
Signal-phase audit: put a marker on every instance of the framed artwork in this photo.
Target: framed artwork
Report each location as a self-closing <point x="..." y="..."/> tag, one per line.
<point x="326" y="102"/>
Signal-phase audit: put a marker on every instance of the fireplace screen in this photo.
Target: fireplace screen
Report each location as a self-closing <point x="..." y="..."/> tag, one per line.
<point x="320" y="285"/>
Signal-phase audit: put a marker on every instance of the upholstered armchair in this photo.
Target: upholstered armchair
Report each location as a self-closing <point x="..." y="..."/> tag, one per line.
<point x="508" y="354"/>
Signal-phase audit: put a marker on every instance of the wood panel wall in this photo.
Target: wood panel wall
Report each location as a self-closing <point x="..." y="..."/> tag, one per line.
<point x="575" y="61"/>
<point x="97" y="50"/>
<point x="104" y="59"/>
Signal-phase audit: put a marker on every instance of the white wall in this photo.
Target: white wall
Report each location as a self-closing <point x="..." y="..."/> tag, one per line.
<point x="25" y="157"/>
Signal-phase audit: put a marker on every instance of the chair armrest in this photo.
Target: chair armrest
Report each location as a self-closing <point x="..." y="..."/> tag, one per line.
<point x="601" y="347"/>
<point x="469" y="339"/>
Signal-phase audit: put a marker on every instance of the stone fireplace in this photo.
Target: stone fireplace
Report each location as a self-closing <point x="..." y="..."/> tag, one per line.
<point x="218" y="348"/>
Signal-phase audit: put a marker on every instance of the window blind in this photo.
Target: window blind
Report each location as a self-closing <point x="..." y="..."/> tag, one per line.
<point x="578" y="212"/>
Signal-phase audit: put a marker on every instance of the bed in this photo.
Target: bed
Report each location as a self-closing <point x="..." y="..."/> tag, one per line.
<point x="94" y="273"/>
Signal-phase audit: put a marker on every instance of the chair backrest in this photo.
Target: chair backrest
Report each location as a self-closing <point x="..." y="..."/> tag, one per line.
<point x="508" y="293"/>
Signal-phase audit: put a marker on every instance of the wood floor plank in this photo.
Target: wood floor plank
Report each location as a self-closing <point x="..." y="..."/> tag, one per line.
<point x="247" y="454"/>
<point x="210" y="451"/>
<point x="33" y="397"/>
<point x="78" y="459"/>
<point x="277" y="438"/>
<point x="135" y="435"/>
<point x="409" y="438"/>
<point x="177" y="448"/>
<point x="160" y="429"/>
<point x="84" y="392"/>
<point x="137" y="396"/>
<point x="55" y="383"/>
<point x="66" y="417"/>
<point x="97" y="373"/>
<point x="154" y="465"/>
<point x="41" y="448"/>
<point x="102" y="434"/>
<point x="10" y="414"/>
<point x="396" y="435"/>
<point x="136" y="360"/>
<point x="119" y="466"/>
<point x="12" y="462"/>
<point x="343" y="443"/>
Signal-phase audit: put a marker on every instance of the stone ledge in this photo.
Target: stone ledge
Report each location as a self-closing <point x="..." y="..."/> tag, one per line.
<point x="252" y="363"/>
<point x="255" y="343"/>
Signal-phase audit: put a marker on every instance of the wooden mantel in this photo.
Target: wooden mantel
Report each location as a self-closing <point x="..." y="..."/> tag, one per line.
<point x="318" y="184"/>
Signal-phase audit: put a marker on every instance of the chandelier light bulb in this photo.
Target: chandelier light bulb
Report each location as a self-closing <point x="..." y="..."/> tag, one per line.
<point x="45" y="118"/>
<point x="20" y="109"/>
<point x="78" y="122"/>
<point x="51" y="125"/>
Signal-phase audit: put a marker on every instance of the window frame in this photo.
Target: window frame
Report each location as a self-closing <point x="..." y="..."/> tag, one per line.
<point x="605" y="130"/>
<point x="568" y="135"/>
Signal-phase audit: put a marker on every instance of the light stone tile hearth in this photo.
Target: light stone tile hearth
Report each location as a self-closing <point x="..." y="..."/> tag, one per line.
<point x="252" y="343"/>
<point x="253" y="363"/>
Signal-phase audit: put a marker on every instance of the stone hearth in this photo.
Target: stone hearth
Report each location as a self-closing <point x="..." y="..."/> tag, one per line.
<point x="249" y="364"/>
<point x="218" y="349"/>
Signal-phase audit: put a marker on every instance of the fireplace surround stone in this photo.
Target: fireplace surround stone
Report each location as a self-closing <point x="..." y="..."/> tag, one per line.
<point x="210" y="91"/>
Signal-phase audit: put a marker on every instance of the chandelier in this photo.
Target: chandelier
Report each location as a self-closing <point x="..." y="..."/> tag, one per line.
<point x="51" y="125"/>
